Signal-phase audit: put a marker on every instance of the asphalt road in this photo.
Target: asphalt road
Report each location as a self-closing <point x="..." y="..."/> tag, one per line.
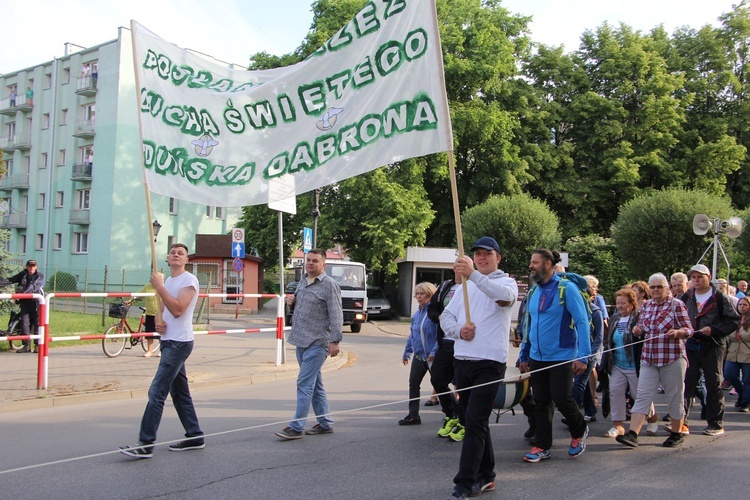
<point x="68" y="452"/>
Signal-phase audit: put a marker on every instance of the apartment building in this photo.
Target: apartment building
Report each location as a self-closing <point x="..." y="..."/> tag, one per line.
<point x="72" y="193"/>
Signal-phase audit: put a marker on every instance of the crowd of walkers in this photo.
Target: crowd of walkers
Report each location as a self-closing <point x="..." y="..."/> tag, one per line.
<point x="683" y="336"/>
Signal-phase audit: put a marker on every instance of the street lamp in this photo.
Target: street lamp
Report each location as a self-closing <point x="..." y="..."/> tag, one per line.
<point x="157" y="228"/>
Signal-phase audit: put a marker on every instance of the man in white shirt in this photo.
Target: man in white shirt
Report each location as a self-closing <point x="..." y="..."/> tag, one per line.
<point x="178" y="296"/>
<point x="481" y="353"/>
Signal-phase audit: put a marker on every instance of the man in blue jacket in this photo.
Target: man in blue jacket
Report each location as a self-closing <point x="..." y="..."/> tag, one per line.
<point x="556" y="346"/>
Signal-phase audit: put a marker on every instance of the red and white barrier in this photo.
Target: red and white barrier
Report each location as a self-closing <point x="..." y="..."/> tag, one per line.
<point x="45" y="339"/>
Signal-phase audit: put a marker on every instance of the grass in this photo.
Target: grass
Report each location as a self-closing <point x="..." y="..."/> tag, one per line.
<point x="63" y="323"/>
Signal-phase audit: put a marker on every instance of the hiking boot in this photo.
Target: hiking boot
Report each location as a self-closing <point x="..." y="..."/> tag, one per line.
<point x="448" y="425"/>
<point x="197" y="443"/>
<point x="674" y="440"/>
<point x="409" y="420"/>
<point x="630" y="439"/>
<point x="482" y="486"/>
<point x="318" y="429"/>
<point x="713" y="430"/>
<point x="535" y="455"/>
<point x="457" y="434"/>
<point x="138" y="450"/>
<point x="578" y="445"/>
<point x="288" y="433"/>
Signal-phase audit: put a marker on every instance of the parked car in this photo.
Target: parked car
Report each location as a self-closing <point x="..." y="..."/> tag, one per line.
<point x="378" y="306"/>
<point x="290" y="287"/>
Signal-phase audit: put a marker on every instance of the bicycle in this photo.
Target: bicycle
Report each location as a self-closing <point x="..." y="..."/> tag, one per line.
<point x="113" y="347"/>
<point x="14" y="328"/>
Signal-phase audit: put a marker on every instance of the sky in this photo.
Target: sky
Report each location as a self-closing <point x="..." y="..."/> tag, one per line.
<point x="36" y="31"/>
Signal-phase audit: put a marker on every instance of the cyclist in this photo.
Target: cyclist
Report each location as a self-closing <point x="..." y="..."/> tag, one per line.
<point x="28" y="281"/>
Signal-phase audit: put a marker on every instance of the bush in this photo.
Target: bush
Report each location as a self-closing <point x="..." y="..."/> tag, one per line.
<point x="519" y="223"/>
<point x="62" y="282"/>
<point x="593" y="254"/>
<point x="654" y="232"/>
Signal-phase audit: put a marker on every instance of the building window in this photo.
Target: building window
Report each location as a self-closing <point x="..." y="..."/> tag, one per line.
<point x="45" y="121"/>
<point x="11" y="130"/>
<point x="47" y="81"/>
<point x="43" y="163"/>
<point x="8" y="167"/>
<point x="219" y="212"/>
<point x="57" y="242"/>
<point x="83" y="199"/>
<point x="40" y="241"/>
<point x="23" y="204"/>
<point x="172" y="206"/>
<point x="41" y="201"/>
<point x="81" y="244"/>
<point x="61" y="158"/>
<point x="59" y="199"/>
<point x="22" y="244"/>
<point x="209" y="211"/>
<point x="66" y="76"/>
<point x="64" y="117"/>
<point x="170" y="241"/>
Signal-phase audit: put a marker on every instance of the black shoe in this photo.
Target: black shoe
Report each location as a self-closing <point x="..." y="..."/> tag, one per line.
<point x="630" y="439"/>
<point x="459" y="492"/>
<point x="430" y="402"/>
<point x="188" y="444"/>
<point x="24" y="349"/>
<point x="674" y="440"/>
<point x="530" y="433"/>
<point x="666" y="418"/>
<point x="564" y="421"/>
<point x="589" y="418"/>
<point x="138" y="450"/>
<point x="482" y="486"/>
<point x="409" y="420"/>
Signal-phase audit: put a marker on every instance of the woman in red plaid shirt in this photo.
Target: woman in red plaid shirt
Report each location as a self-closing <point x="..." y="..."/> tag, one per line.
<point x="664" y="325"/>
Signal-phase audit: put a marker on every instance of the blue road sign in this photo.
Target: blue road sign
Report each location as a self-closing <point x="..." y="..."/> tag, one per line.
<point x="306" y="239"/>
<point x="237" y="264"/>
<point x="238" y="250"/>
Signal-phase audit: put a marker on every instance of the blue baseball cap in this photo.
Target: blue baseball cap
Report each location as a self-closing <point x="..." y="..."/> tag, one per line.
<point x="487" y="243"/>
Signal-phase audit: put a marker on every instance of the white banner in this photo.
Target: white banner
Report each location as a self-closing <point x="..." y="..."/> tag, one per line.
<point x="373" y="95"/>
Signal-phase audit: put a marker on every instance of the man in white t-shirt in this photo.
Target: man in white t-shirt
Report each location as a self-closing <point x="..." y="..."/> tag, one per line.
<point x="178" y="296"/>
<point x="480" y="353"/>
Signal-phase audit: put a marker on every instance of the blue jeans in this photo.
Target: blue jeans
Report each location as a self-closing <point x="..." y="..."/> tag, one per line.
<point x="732" y="372"/>
<point x="581" y="392"/>
<point x="171" y="379"/>
<point x="310" y="388"/>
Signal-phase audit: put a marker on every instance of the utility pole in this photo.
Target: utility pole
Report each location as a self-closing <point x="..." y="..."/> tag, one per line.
<point x="315" y="215"/>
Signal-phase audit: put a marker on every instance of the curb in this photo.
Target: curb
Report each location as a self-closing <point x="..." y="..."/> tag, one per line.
<point x="285" y="372"/>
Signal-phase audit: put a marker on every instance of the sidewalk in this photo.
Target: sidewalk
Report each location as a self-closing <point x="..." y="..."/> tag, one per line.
<point x="82" y="374"/>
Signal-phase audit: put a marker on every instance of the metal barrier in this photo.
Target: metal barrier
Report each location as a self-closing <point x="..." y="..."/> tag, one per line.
<point x="45" y="339"/>
<point x="41" y="333"/>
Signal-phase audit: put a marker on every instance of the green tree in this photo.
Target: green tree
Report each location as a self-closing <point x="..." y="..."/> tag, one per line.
<point x="6" y="271"/>
<point x="653" y="232"/>
<point x="596" y="255"/>
<point x="519" y="223"/>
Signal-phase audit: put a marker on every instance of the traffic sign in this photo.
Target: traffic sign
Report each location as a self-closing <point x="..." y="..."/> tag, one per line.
<point x="238" y="250"/>
<point x="237" y="264"/>
<point x="307" y="236"/>
<point x="238" y="234"/>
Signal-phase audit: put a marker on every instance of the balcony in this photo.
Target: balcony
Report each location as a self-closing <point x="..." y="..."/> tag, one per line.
<point x="16" y="181"/>
<point x="80" y="216"/>
<point x="17" y="220"/>
<point x="17" y="141"/>
<point x="20" y="103"/>
<point x="82" y="172"/>
<point x="84" y="129"/>
<point x="86" y="86"/>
